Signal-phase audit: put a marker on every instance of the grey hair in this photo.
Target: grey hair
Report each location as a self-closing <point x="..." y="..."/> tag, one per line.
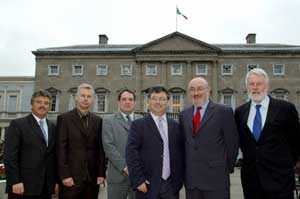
<point x="85" y="86"/>
<point x="259" y="72"/>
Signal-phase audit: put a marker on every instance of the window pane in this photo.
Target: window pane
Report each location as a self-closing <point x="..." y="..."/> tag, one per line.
<point x="151" y="69"/>
<point x="176" y="69"/>
<point x="176" y="103"/>
<point x="126" y="70"/>
<point x="101" y="102"/>
<point x="53" y="103"/>
<point x="228" y="100"/>
<point x="226" y="69"/>
<point x="12" y="104"/>
<point x="101" y="70"/>
<point x="201" y="69"/>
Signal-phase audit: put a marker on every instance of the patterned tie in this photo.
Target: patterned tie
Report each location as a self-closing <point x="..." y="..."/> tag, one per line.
<point x="129" y="122"/>
<point x="166" y="159"/>
<point x="196" y="120"/>
<point x="44" y="132"/>
<point x="257" y="124"/>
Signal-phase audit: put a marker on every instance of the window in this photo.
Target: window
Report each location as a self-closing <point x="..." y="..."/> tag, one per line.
<point x="145" y="101"/>
<point x="151" y="69"/>
<point x="101" y="70"/>
<point x="176" y="69"/>
<point x="278" y="69"/>
<point x="12" y="103"/>
<point x="53" y="70"/>
<point x="126" y="69"/>
<point x="101" y="102"/>
<point x="201" y="69"/>
<point x="77" y="69"/>
<point x="251" y="66"/>
<point x="228" y="100"/>
<point x="72" y="101"/>
<point x="280" y="93"/>
<point x="226" y="69"/>
<point x="176" y="102"/>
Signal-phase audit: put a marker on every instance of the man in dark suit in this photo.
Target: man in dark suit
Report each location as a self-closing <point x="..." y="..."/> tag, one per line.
<point x="29" y="152"/>
<point x="80" y="155"/>
<point x="154" y="152"/>
<point x="114" y="135"/>
<point x="211" y="144"/>
<point x="269" y="138"/>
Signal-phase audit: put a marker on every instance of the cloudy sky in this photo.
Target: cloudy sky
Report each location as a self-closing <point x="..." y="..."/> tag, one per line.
<point x="28" y="25"/>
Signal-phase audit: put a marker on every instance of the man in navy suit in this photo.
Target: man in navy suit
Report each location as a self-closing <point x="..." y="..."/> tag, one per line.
<point x="154" y="151"/>
<point x="211" y="144"/>
<point x="269" y="132"/>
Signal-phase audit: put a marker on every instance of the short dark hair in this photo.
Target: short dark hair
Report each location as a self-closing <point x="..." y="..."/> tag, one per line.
<point x="158" y="89"/>
<point x="40" y="94"/>
<point x="128" y="91"/>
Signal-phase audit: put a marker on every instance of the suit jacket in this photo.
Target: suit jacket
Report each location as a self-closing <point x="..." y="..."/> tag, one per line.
<point x="211" y="154"/>
<point x="273" y="156"/>
<point x="80" y="153"/>
<point x="114" y="136"/>
<point x="27" y="158"/>
<point x="144" y="155"/>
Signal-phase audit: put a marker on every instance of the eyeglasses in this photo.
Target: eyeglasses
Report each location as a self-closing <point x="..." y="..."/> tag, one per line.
<point x="161" y="99"/>
<point x="198" y="89"/>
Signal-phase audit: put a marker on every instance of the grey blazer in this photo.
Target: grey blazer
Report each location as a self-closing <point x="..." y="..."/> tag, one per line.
<point x="211" y="154"/>
<point x="114" y="137"/>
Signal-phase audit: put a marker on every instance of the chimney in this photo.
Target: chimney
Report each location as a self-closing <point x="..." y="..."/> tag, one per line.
<point x="251" y="38"/>
<point x="103" y="39"/>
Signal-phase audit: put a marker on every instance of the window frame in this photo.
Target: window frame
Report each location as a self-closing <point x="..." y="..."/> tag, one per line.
<point x="129" y="72"/>
<point x="98" y="70"/>
<point x="279" y="74"/>
<point x="198" y="70"/>
<point x="50" y="70"/>
<point x="173" y="68"/>
<point x="147" y="70"/>
<point x="74" y="70"/>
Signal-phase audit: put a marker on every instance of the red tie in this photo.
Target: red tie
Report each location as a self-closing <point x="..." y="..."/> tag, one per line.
<point x="196" y="120"/>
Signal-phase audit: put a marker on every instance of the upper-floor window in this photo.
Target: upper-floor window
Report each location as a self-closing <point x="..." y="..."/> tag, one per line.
<point x="53" y="69"/>
<point x="101" y="69"/>
<point x="226" y="69"/>
<point x="126" y="69"/>
<point x="151" y="69"/>
<point x="12" y="103"/>
<point x="251" y="66"/>
<point x="201" y="69"/>
<point x="278" y="69"/>
<point x="176" y="69"/>
<point x="77" y="69"/>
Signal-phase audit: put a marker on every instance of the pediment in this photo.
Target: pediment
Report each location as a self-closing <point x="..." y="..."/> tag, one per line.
<point x="177" y="42"/>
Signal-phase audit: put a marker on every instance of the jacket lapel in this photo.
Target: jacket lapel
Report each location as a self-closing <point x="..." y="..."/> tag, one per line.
<point x="78" y="123"/>
<point x="36" y="128"/>
<point x="207" y="115"/>
<point x="153" y="126"/>
<point x="122" y="121"/>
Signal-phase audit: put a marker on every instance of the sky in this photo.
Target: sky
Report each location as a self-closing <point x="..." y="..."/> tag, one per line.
<point x="28" y="25"/>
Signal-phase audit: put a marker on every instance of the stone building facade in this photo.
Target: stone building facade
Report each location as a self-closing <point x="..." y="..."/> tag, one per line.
<point x="15" y="95"/>
<point x="171" y="61"/>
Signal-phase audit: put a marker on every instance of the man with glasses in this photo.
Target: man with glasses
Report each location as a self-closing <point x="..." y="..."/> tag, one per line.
<point x="29" y="152"/>
<point x="211" y="144"/>
<point x="154" y="151"/>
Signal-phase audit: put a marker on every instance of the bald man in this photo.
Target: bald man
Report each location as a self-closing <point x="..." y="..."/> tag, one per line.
<point x="211" y="144"/>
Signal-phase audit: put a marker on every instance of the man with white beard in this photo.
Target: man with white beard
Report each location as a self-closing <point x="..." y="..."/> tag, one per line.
<point x="269" y="132"/>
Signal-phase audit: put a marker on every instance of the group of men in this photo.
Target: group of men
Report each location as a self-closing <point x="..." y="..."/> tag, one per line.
<point x="153" y="156"/>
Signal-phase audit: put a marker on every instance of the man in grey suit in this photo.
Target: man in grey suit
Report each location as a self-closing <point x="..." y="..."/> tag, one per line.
<point x="114" y="134"/>
<point x="211" y="144"/>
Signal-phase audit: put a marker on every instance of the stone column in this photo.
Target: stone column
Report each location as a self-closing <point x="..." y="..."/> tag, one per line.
<point x="214" y="81"/>
<point x="164" y="74"/>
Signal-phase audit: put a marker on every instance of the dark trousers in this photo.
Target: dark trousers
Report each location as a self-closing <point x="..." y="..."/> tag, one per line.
<point x="259" y="193"/>
<point x="83" y="190"/>
<point x="166" y="191"/>
<point x="200" y="194"/>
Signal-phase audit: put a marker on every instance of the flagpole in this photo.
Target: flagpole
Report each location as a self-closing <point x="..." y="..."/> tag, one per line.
<point x="176" y="18"/>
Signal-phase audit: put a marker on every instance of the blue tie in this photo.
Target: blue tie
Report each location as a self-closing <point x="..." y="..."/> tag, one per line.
<point x="44" y="132"/>
<point x="257" y="124"/>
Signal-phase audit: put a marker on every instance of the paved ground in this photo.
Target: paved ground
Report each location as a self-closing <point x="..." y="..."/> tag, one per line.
<point x="236" y="190"/>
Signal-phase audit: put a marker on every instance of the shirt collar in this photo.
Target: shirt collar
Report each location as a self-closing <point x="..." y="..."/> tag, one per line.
<point x="155" y="117"/>
<point x="38" y="119"/>
<point x="125" y="115"/>
<point x="264" y="103"/>
<point x="204" y="105"/>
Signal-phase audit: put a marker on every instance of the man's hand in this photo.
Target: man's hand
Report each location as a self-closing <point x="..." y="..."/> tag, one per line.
<point x="143" y="188"/>
<point x="125" y="171"/>
<point x="68" y="182"/>
<point x="100" y="180"/>
<point x="18" y="188"/>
